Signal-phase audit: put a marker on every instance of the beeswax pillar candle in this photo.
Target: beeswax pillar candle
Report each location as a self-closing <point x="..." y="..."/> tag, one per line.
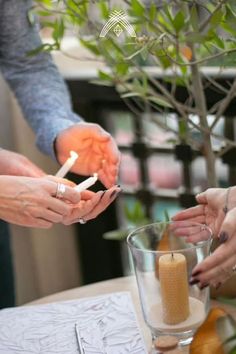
<point x="174" y="288"/>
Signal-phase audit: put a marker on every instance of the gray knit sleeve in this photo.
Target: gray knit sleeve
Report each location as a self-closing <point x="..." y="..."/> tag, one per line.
<point x="36" y="82"/>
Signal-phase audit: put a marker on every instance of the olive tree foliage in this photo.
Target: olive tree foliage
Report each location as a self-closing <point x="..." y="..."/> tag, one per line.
<point x="177" y="39"/>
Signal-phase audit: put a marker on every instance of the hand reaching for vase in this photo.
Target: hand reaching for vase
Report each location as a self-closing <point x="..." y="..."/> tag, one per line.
<point x="211" y="210"/>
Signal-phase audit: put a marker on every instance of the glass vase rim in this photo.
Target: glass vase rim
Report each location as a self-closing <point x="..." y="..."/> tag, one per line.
<point x="199" y="244"/>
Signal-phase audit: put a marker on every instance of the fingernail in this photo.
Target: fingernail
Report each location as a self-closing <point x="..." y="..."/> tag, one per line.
<point x="223" y="237"/>
<point x="203" y="286"/>
<point x="217" y="286"/>
<point x="196" y="273"/>
<point x="193" y="281"/>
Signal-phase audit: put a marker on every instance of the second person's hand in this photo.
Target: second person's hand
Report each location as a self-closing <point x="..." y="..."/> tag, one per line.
<point x="91" y="205"/>
<point x="97" y="151"/>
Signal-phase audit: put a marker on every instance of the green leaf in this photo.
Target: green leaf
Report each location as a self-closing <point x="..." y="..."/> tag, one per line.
<point x="104" y="76"/>
<point x="92" y="46"/>
<point x="140" y="50"/>
<point x="46" y="47"/>
<point x="131" y="94"/>
<point x="216" y="18"/>
<point x="128" y="213"/>
<point x="167" y="216"/>
<point x="118" y="235"/>
<point x="179" y="21"/>
<point x="101" y="83"/>
<point x="194" y="18"/>
<point x="219" y="42"/>
<point x="45" y="2"/>
<point x="104" y="9"/>
<point x="122" y="68"/>
<point x="183" y="129"/>
<point x="43" y="13"/>
<point x="195" y="37"/>
<point x="152" y="12"/>
<point x="137" y="7"/>
<point x="159" y="101"/>
<point x="138" y="212"/>
<point x="31" y="17"/>
<point x="58" y="31"/>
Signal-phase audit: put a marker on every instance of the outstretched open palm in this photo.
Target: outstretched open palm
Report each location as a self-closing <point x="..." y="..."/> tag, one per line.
<point x="209" y="211"/>
<point x="97" y="151"/>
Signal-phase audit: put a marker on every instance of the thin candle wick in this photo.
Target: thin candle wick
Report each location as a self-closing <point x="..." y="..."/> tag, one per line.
<point x="172" y="256"/>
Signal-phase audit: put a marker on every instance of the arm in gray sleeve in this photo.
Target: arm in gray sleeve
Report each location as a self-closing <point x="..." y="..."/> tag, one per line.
<point x="36" y="82"/>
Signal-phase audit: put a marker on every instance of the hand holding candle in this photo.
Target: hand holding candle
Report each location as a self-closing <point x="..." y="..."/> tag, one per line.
<point x="65" y="168"/>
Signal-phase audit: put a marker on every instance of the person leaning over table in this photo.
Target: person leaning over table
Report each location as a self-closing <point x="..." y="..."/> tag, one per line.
<point x="217" y="209"/>
<point x="44" y="98"/>
<point x="45" y="103"/>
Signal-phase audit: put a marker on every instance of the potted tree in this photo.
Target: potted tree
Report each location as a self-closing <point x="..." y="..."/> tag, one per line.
<point x="154" y="48"/>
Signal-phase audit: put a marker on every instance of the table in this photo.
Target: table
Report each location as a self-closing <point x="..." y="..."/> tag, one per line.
<point x="116" y="285"/>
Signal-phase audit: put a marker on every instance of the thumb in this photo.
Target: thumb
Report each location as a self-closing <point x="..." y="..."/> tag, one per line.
<point x="201" y="198"/>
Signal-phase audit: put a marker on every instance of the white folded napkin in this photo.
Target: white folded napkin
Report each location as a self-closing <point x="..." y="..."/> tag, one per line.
<point x="104" y="324"/>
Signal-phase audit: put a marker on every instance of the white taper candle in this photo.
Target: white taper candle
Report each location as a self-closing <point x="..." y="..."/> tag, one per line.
<point x="87" y="183"/>
<point x="65" y="168"/>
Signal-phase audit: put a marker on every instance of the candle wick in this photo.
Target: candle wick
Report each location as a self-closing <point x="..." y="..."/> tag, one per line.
<point x="172" y="256"/>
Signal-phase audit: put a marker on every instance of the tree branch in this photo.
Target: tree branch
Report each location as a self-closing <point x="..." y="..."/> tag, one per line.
<point x="224" y="104"/>
<point x="208" y="19"/>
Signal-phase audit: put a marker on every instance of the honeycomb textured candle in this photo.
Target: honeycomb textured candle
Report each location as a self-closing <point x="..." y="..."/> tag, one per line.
<point x="174" y="288"/>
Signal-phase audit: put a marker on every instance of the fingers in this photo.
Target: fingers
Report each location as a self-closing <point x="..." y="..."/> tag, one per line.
<point x="32" y="170"/>
<point x="42" y="224"/>
<point x="107" y="180"/>
<point x="47" y="215"/>
<point x="83" y="208"/>
<point x="216" y="268"/>
<point x="112" y="152"/>
<point x="106" y="199"/>
<point x="60" y="180"/>
<point x="228" y="226"/>
<point x="108" y="173"/>
<point x="189" y="213"/>
<point x="201" y="198"/>
<point x="191" y="232"/>
<point x="58" y="206"/>
<point x="90" y="208"/>
<point x="87" y="194"/>
<point x="70" y="194"/>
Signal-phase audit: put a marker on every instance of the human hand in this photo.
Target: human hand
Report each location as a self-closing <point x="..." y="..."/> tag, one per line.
<point x="97" y="151"/>
<point x="217" y="267"/>
<point x="12" y="163"/>
<point x="210" y="209"/>
<point x="31" y="202"/>
<point x="91" y="205"/>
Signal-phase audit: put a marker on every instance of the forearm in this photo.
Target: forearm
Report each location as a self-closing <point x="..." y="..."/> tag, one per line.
<point x="38" y="86"/>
